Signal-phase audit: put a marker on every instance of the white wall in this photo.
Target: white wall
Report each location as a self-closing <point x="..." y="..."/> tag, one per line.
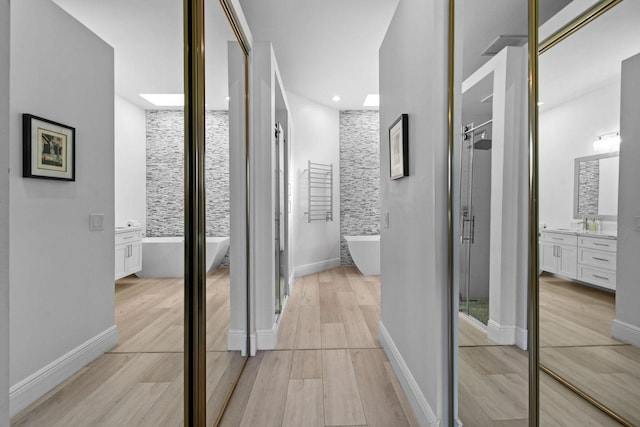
<point x="567" y="131"/>
<point x="316" y="245"/>
<point x="627" y="324"/>
<point x="413" y="327"/>
<point x="237" y="203"/>
<point x="130" y="163"/>
<point x="61" y="273"/>
<point x="4" y="213"/>
<point x="265" y="80"/>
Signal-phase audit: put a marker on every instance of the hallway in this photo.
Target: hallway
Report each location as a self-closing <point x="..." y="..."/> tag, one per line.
<point x="329" y="368"/>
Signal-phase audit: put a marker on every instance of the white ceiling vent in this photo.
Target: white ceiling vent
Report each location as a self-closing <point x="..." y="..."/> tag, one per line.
<point x="501" y="41"/>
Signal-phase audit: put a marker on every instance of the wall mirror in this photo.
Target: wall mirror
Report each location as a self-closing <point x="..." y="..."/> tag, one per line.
<point x="589" y="327"/>
<point x="489" y="185"/>
<point x="595" y="187"/>
<point x="136" y="145"/>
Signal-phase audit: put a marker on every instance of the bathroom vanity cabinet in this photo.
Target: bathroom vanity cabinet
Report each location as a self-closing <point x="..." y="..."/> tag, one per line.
<point x="597" y="261"/>
<point x="559" y="254"/>
<point x="128" y="251"/>
<point x="589" y="257"/>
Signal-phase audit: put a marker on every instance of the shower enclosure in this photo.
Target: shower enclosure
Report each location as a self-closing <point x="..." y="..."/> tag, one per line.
<point x="475" y="211"/>
<point x="280" y="218"/>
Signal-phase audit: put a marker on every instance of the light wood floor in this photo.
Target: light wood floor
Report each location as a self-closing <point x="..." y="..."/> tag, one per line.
<point x="329" y="369"/>
<point x="575" y="342"/>
<point x="140" y="382"/>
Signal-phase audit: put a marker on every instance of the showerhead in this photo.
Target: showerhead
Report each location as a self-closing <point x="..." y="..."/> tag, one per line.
<point x="482" y="144"/>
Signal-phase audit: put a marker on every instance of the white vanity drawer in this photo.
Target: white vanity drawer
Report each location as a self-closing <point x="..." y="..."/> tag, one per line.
<point x="597" y="243"/>
<point x="604" y="278"/>
<point x="560" y="239"/>
<point x="128" y="237"/>
<point x="597" y="258"/>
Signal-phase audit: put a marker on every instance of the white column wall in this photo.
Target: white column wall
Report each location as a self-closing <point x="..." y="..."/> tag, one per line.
<point x="61" y="275"/>
<point x="4" y="212"/>
<point x="626" y="326"/>
<point x="414" y="249"/>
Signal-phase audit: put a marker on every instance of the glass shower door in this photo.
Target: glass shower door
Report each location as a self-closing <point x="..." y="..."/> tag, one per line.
<point x="475" y="188"/>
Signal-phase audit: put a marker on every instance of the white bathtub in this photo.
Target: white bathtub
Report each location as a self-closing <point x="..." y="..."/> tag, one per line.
<point x="164" y="256"/>
<point x="365" y="251"/>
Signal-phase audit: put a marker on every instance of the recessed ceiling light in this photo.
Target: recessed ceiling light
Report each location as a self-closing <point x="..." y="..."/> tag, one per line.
<point x="164" y="99"/>
<point x="336" y="98"/>
<point x="226" y="98"/>
<point x="372" y="100"/>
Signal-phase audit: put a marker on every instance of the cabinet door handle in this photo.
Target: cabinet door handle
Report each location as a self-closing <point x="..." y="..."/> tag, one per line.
<point x="557" y="238"/>
<point x="600" y="259"/>
<point x="554" y="250"/>
<point x="601" y="277"/>
<point x="601" y="244"/>
<point x="559" y="251"/>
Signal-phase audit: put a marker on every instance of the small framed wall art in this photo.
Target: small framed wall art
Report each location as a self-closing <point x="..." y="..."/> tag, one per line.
<point x="48" y="149"/>
<point x="399" y="147"/>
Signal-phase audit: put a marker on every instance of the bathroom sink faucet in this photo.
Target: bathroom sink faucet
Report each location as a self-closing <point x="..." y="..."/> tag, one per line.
<point x="585" y="223"/>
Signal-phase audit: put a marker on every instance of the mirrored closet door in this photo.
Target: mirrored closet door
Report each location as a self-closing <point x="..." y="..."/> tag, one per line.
<point x="589" y="324"/>
<point x="490" y="210"/>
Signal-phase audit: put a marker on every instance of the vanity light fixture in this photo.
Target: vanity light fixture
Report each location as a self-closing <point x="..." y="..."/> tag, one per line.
<point x="607" y="143"/>
<point x="164" y="99"/>
<point x="336" y="98"/>
<point x="372" y="100"/>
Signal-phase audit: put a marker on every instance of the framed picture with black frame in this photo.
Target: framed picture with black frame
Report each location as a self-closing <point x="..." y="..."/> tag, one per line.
<point x="399" y="147"/>
<point x="48" y="149"/>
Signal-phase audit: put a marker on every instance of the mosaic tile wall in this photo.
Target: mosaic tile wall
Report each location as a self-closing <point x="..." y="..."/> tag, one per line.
<point x="589" y="187"/>
<point x="165" y="176"/>
<point x="359" y="176"/>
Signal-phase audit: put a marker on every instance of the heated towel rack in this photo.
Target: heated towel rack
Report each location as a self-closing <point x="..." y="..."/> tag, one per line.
<point x="320" y="192"/>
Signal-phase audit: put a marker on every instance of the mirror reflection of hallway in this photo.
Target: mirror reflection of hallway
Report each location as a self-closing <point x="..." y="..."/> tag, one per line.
<point x="589" y="325"/>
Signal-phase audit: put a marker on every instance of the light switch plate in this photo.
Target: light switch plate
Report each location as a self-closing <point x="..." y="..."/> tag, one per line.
<point x="96" y="222"/>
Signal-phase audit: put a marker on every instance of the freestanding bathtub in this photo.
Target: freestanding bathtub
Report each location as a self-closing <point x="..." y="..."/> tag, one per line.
<point x="164" y="256"/>
<point x="365" y="251"/>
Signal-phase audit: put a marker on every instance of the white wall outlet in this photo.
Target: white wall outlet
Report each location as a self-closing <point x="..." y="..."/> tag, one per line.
<point x="385" y="220"/>
<point x="637" y="223"/>
<point x="96" y="222"/>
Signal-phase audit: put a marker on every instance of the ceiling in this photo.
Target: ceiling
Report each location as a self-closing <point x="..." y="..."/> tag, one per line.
<point x="323" y="47"/>
<point x="485" y="20"/>
<point x="147" y="38"/>
<point x="590" y="58"/>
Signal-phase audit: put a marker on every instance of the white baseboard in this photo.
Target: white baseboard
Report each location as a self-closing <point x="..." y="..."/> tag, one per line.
<point x="292" y="280"/>
<point x="316" y="267"/>
<point x="501" y="335"/>
<point x="521" y="338"/>
<point x="266" y="338"/>
<point x="253" y="345"/>
<point x="625" y="332"/>
<point x="39" y="383"/>
<point x="237" y="341"/>
<point x="421" y="408"/>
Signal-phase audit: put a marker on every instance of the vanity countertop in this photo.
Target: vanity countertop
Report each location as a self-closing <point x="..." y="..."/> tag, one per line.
<point x="584" y="233"/>
<point x="125" y="229"/>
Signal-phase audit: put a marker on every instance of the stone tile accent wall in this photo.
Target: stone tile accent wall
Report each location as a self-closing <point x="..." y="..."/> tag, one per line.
<point x="165" y="173"/>
<point x="589" y="187"/>
<point x="359" y="176"/>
